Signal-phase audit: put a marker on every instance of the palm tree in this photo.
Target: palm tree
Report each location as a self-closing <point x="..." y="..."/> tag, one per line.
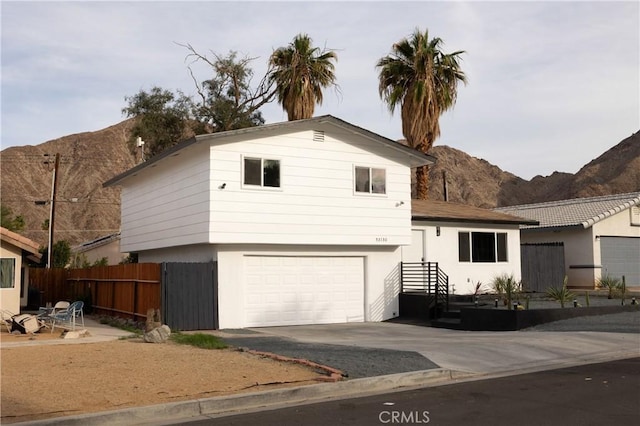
<point x="300" y="72"/>
<point x="424" y="82"/>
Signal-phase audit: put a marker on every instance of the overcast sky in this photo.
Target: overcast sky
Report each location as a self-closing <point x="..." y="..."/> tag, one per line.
<point x="552" y="85"/>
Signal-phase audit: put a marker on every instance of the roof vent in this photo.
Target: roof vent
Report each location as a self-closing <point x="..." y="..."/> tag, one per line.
<point x="318" y="136"/>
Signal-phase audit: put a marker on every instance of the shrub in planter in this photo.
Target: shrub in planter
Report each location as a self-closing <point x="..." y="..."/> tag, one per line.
<point x="611" y="284"/>
<point x="507" y="288"/>
<point x="561" y="295"/>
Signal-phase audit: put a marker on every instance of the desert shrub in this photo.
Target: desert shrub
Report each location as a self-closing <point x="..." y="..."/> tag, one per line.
<point x="611" y="284"/>
<point x="562" y="294"/>
<point x="507" y="287"/>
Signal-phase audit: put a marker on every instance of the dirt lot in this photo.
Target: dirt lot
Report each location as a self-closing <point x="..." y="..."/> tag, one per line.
<point x="60" y="380"/>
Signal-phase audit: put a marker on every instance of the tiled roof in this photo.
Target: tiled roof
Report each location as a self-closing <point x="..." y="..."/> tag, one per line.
<point x="583" y="212"/>
<point x="24" y="243"/>
<point x="106" y="239"/>
<point x="445" y="211"/>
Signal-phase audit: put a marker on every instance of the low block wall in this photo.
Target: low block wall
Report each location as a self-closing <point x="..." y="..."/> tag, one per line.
<point x="487" y="319"/>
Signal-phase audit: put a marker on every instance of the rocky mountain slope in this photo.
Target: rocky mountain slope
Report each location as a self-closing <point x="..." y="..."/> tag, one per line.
<point x="475" y="181"/>
<point x="86" y="210"/>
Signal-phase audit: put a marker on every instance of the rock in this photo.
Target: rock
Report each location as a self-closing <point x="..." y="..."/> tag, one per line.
<point x="69" y="334"/>
<point x="158" y="335"/>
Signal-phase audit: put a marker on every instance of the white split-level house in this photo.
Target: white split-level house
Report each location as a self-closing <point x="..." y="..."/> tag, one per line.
<point x="600" y="235"/>
<point x="14" y="272"/>
<point x="305" y="219"/>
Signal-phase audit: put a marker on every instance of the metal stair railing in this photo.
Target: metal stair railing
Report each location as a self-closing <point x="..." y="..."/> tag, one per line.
<point x="427" y="278"/>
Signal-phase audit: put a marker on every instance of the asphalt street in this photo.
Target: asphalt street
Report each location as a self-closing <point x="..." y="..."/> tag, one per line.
<point x="594" y="394"/>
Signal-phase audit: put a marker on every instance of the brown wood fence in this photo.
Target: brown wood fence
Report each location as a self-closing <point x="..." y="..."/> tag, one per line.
<point x="126" y="291"/>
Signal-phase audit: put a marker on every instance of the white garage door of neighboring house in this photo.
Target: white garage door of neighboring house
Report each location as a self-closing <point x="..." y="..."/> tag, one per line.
<point x="296" y="290"/>
<point x="621" y="256"/>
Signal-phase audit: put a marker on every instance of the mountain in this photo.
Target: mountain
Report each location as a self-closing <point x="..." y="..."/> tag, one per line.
<point x="475" y="181"/>
<point x="85" y="210"/>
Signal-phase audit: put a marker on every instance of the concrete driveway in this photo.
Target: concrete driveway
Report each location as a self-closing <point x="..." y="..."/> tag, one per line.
<point x="473" y="351"/>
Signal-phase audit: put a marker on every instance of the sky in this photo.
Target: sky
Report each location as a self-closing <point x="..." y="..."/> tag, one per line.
<point x="552" y="85"/>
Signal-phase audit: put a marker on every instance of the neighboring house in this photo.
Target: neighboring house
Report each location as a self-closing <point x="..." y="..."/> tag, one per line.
<point x="305" y="219"/>
<point x="14" y="273"/>
<point x="470" y="244"/>
<point x="600" y="235"/>
<point x="107" y="247"/>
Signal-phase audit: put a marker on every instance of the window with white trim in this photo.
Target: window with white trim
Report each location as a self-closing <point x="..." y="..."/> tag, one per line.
<point x="261" y="172"/>
<point x="370" y="180"/>
<point x="483" y="247"/>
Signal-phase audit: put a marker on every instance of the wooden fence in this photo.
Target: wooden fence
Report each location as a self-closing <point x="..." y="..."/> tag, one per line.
<point x="542" y="266"/>
<point x="126" y="291"/>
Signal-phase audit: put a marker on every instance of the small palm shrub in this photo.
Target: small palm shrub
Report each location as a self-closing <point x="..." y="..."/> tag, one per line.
<point x="611" y="284"/>
<point x="561" y="295"/>
<point x="506" y="287"/>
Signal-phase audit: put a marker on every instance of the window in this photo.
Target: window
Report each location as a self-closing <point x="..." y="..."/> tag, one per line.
<point x="262" y="172"/>
<point x="7" y="272"/>
<point x="370" y="180"/>
<point x="482" y="247"/>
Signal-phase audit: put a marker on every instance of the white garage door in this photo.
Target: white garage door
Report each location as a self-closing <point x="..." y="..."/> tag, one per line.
<point x="620" y="256"/>
<point x="295" y="290"/>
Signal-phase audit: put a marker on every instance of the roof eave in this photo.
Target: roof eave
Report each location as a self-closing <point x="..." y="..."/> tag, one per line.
<point x="554" y="228"/>
<point x="420" y="218"/>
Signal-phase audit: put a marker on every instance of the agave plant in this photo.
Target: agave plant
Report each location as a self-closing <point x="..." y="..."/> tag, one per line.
<point x="612" y="284"/>
<point x="561" y="295"/>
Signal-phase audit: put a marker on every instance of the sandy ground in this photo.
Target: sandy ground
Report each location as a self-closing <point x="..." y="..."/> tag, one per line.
<point x="39" y="382"/>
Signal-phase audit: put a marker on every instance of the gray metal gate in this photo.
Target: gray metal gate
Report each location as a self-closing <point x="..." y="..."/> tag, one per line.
<point x="542" y="266"/>
<point x="620" y="256"/>
<point x="190" y="295"/>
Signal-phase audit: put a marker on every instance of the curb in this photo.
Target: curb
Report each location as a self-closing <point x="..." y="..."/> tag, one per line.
<point x="256" y="400"/>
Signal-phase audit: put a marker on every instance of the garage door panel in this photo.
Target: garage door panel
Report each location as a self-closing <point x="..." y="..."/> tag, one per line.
<point x="620" y="256"/>
<point x="289" y="290"/>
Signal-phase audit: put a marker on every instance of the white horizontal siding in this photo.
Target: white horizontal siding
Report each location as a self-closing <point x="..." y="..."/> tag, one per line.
<point x="316" y="203"/>
<point x="168" y="204"/>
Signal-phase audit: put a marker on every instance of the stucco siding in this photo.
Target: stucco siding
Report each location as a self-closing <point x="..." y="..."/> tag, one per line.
<point x="10" y="297"/>
<point x="581" y="267"/>
<point x="381" y="277"/>
<point x="463" y="276"/>
<point x="197" y="253"/>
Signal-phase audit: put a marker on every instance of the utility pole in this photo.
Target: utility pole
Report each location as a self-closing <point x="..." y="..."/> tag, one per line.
<point x="140" y="144"/>
<point x="52" y="212"/>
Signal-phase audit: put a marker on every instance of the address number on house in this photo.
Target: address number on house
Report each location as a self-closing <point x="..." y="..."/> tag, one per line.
<point x="381" y="239"/>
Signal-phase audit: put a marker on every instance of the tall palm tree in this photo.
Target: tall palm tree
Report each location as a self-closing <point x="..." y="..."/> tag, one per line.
<point x="424" y="82"/>
<point x="300" y="72"/>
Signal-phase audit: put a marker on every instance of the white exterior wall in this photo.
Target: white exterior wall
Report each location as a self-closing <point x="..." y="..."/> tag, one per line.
<point x="190" y="254"/>
<point x="381" y="275"/>
<point x="10" y="297"/>
<point x="110" y="250"/>
<point x="618" y="225"/>
<point x="581" y="268"/>
<point x="582" y="247"/>
<point x="167" y="204"/>
<point x="316" y="203"/>
<point x="464" y="275"/>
